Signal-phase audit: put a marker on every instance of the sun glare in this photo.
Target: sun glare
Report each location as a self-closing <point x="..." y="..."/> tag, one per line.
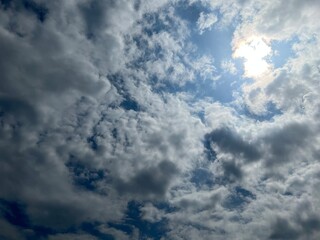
<point x="254" y="52"/>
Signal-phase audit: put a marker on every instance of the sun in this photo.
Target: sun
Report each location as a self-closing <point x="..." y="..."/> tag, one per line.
<point x="254" y="51"/>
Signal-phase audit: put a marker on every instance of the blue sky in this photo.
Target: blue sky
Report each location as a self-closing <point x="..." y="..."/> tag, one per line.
<point x="159" y="120"/>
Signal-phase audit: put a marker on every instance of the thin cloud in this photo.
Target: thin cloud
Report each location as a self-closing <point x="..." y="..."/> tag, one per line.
<point x="206" y="21"/>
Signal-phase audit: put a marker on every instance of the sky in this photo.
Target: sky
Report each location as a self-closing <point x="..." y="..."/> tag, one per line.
<point x="158" y="119"/>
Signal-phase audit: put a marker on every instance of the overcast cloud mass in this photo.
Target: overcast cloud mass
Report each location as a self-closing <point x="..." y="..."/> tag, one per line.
<point x="158" y="119"/>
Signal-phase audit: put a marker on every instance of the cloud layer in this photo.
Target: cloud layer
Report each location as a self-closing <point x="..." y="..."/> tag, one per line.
<point x="115" y="124"/>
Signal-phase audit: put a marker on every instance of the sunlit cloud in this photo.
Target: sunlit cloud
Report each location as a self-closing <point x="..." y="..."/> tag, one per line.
<point x="255" y="52"/>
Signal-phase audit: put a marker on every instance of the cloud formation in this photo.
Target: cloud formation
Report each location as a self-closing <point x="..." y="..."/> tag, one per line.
<point x="118" y="120"/>
<point x="206" y="21"/>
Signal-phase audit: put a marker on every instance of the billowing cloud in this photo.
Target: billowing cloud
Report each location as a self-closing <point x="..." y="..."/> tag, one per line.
<point x="118" y="120"/>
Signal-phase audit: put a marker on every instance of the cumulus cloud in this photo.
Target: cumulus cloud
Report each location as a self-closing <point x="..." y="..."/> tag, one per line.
<point x="111" y="126"/>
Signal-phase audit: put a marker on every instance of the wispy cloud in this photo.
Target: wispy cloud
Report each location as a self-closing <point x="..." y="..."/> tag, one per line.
<point x="206" y="21"/>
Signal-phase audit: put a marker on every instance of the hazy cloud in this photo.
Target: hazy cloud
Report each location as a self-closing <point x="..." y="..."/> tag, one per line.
<point x="206" y="21"/>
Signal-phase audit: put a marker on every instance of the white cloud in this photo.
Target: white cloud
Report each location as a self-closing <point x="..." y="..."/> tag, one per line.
<point x="229" y="66"/>
<point x="206" y="21"/>
<point x="205" y="68"/>
<point x="95" y="112"/>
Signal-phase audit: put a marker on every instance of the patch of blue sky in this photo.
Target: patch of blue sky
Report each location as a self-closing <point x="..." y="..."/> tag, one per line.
<point x="165" y="206"/>
<point x="216" y="43"/>
<point x="147" y="230"/>
<point x="210" y="153"/>
<point x="40" y="11"/>
<point x="239" y="198"/>
<point x="219" y="91"/>
<point x="31" y="6"/>
<point x="282" y="51"/>
<point x="130" y="104"/>
<point x="83" y="177"/>
<point x="15" y="213"/>
<point x="92" y="229"/>
<point x="190" y="13"/>
<point x="202" y="177"/>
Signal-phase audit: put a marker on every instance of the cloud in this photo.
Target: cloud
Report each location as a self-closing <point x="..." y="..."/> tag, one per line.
<point x="298" y="227"/>
<point x="229" y="67"/>
<point x="283" y="142"/>
<point x="10" y="231"/>
<point x="206" y="21"/>
<point x="149" y="182"/>
<point x="71" y="236"/>
<point x="111" y="126"/>
<point x="228" y="141"/>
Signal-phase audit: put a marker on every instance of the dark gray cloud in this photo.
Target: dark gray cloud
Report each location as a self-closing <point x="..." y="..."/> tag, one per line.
<point x="36" y="8"/>
<point x="42" y="78"/>
<point x="283" y="230"/>
<point x="202" y="177"/>
<point x="283" y="143"/>
<point x="149" y="182"/>
<point x="298" y="227"/>
<point x="231" y="171"/>
<point x="274" y="147"/>
<point x="231" y="142"/>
